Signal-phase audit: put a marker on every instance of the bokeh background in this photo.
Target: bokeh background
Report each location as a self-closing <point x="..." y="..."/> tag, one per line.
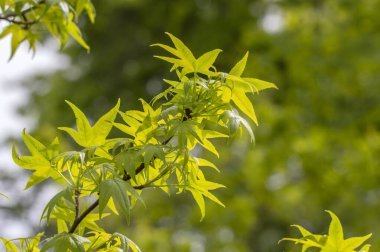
<point x="317" y="146"/>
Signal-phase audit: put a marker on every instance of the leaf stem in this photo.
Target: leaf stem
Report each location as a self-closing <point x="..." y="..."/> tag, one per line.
<point x="78" y="220"/>
<point x="11" y="17"/>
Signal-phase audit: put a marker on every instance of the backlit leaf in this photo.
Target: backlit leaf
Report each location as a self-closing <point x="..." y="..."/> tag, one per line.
<point x="205" y="62"/>
<point x="65" y="241"/>
<point x="238" y="69"/>
<point x="118" y="190"/>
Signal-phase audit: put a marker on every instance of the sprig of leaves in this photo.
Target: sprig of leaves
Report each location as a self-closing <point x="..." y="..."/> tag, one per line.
<point x="333" y="241"/>
<point x="155" y="149"/>
<point x="27" y="18"/>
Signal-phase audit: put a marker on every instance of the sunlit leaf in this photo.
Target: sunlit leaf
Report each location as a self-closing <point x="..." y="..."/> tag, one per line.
<point x="118" y="190"/>
<point x="65" y="241"/>
<point x="86" y="135"/>
<point x="38" y="161"/>
<point x="335" y="236"/>
<point x="67" y="194"/>
<point x="333" y="242"/>
<point x="206" y="61"/>
<point x="9" y="245"/>
<point x="238" y="69"/>
<point x="74" y="31"/>
<point x="243" y="103"/>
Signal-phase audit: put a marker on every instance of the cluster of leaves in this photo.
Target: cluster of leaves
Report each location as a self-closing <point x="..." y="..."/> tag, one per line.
<point x="157" y="150"/>
<point x="332" y="242"/>
<point x="27" y="18"/>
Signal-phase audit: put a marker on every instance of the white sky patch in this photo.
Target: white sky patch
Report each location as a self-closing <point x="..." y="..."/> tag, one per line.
<point x="273" y="20"/>
<point x="12" y="96"/>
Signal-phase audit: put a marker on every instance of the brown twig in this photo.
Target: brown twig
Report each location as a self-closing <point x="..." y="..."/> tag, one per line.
<point x="11" y="17"/>
<point x="78" y="220"/>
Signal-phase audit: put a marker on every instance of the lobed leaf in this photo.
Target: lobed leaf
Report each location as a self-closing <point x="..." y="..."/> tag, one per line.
<point x="238" y="69"/>
<point x="86" y="135"/>
<point x="65" y="241"/>
<point x="118" y="190"/>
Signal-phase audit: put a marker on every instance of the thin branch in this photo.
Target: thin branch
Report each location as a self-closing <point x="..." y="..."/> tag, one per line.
<point x="77" y="193"/>
<point x="83" y="215"/>
<point x="11" y="17"/>
<point x="13" y="21"/>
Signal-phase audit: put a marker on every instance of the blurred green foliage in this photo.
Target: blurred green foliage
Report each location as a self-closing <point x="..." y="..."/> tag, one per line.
<point x="318" y="145"/>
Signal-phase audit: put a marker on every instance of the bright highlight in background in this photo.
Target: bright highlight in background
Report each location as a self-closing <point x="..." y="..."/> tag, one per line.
<point x="12" y="96"/>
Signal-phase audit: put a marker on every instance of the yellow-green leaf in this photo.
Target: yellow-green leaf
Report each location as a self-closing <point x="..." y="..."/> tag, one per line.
<point x="200" y="201"/>
<point x="9" y="245"/>
<point x="86" y="135"/>
<point x="260" y="84"/>
<point x="182" y="49"/>
<point x="205" y="62"/>
<point x="238" y="69"/>
<point x="243" y="103"/>
<point x="354" y="242"/>
<point x="38" y="161"/>
<point x="335" y="237"/>
<point x="74" y="31"/>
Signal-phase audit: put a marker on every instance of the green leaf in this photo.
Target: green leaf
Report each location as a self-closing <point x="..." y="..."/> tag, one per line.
<point x="125" y="243"/>
<point x="210" y="147"/>
<point x="86" y="135"/>
<point x="34" y="146"/>
<point x="333" y="242"/>
<point x="64" y="241"/>
<point x="88" y="6"/>
<point x="55" y="21"/>
<point x="248" y="128"/>
<point x="169" y="49"/>
<point x="83" y="135"/>
<point x="175" y="61"/>
<point x="185" y="59"/>
<point x="151" y="151"/>
<point x="39" y="161"/>
<point x="103" y="126"/>
<point x="259" y="84"/>
<point x="53" y="202"/>
<point x="74" y="31"/>
<point x="9" y="245"/>
<point x="365" y="248"/>
<point x="128" y="161"/>
<point x="200" y="201"/>
<point x="183" y="51"/>
<point x="18" y="35"/>
<point x="118" y="190"/>
<point x="303" y="231"/>
<point x="234" y="121"/>
<point x="243" y="103"/>
<point x="205" y="62"/>
<point x="212" y="197"/>
<point x="335" y="236"/>
<point x="205" y="162"/>
<point x="126" y="129"/>
<point x="308" y="243"/>
<point x="354" y="242"/>
<point x="89" y="222"/>
<point x="31" y="243"/>
<point x="238" y="69"/>
<point x="199" y="189"/>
